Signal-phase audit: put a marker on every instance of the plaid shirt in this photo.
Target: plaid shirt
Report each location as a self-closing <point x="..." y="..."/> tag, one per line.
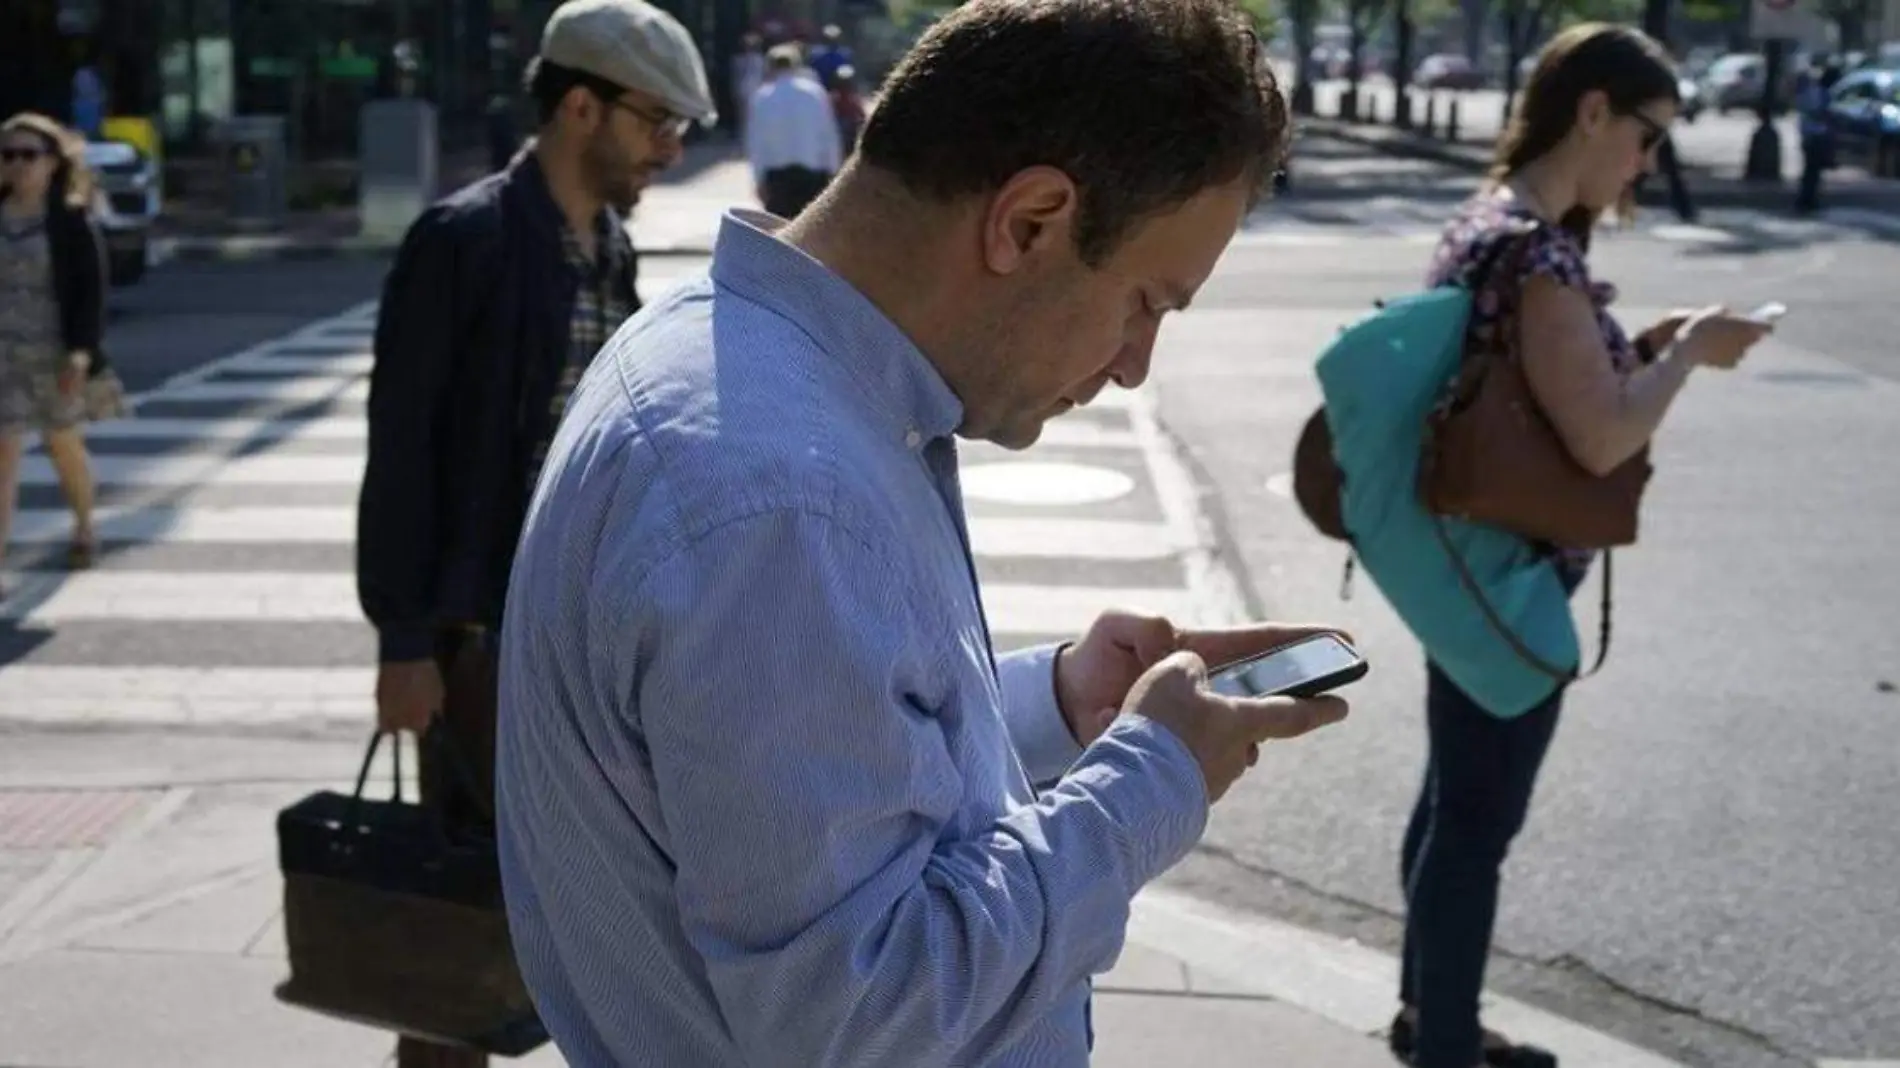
<point x="598" y="311"/>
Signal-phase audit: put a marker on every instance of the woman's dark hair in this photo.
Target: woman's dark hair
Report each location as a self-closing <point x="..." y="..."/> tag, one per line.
<point x="1142" y="103"/>
<point x="1626" y="65"/>
<point x="72" y="179"/>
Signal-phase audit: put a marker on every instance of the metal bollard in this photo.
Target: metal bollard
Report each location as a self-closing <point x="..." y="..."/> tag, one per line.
<point x="1451" y="121"/>
<point x="1431" y="114"/>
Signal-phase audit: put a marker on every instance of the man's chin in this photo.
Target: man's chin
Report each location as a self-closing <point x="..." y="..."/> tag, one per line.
<point x="1016" y="436"/>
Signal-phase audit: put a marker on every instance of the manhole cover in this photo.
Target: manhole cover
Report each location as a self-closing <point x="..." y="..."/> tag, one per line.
<point x="64" y="819"/>
<point x="1027" y="482"/>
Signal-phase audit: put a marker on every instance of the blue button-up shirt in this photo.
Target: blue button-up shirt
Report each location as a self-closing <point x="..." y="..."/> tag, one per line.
<point x="764" y="795"/>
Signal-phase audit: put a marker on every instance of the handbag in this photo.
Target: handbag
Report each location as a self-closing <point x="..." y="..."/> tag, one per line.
<point x="393" y="917"/>
<point x="105" y="397"/>
<point x="1492" y="456"/>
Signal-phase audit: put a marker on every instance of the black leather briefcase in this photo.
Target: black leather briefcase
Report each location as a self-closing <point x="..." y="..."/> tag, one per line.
<point x="394" y="919"/>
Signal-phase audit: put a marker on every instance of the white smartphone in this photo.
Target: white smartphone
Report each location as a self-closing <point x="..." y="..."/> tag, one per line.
<point x="1768" y="312"/>
<point x="1306" y="668"/>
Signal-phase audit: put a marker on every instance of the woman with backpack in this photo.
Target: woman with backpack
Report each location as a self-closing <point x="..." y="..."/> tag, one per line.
<point x="53" y="284"/>
<point x="1599" y="102"/>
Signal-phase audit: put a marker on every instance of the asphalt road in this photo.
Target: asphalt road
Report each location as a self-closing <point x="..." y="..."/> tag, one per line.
<point x="1712" y="140"/>
<point x="1711" y="868"/>
<point x="183" y="314"/>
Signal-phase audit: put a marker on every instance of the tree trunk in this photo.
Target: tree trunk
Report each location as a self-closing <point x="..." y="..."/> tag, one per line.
<point x="1355" y="44"/>
<point x="1402" y="68"/>
<point x="1476" y="13"/>
<point x="1303" y="14"/>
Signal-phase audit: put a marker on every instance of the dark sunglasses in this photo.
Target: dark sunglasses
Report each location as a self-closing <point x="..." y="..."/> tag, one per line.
<point x="20" y="155"/>
<point x="1653" y="131"/>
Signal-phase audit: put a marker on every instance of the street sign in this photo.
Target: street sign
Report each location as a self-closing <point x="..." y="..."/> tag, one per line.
<point x="1787" y="20"/>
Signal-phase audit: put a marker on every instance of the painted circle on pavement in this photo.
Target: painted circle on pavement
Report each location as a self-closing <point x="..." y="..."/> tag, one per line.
<point x="1044" y="483"/>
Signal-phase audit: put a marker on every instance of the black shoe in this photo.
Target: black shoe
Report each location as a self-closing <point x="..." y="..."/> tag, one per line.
<point x="1499" y="1052"/>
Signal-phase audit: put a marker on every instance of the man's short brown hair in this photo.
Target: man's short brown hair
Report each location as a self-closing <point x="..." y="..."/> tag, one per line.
<point x="1142" y="103"/>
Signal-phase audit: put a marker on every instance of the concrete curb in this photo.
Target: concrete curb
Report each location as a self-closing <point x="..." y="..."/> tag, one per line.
<point x="1416" y="146"/>
<point x="1345" y="982"/>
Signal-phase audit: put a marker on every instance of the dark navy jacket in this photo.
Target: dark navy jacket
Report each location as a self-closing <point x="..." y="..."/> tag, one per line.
<point x="471" y="337"/>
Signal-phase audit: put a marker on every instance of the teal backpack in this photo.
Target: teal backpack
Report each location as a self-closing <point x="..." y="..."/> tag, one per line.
<point x="1486" y="604"/>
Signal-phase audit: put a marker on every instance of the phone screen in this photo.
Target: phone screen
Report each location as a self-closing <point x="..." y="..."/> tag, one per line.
<point x="1286" y="668"/>
<point x="1769" y="312"/>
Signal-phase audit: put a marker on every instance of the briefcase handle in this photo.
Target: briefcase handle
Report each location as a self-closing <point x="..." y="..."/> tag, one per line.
<point x="395" y="752"/>
<point x="452" y="753"/>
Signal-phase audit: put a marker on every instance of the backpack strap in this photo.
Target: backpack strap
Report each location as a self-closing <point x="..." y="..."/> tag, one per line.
<point x="1524" y="653"/>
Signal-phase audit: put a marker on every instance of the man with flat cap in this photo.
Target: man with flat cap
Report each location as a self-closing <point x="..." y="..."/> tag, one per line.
<point x="500" y="295"/>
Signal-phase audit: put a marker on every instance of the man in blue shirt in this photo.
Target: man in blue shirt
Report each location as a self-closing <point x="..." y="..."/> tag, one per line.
<point x="764" y="793"/>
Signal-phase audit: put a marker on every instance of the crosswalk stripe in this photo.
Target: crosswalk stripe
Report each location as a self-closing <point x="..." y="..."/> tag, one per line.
<point x="1384" y="219"/>
<point x="295" y="390"/>
<point x="152" y="428"/>
<point x="993" y="537"/>
<point x="331" y="340"/>
<point x="1064" y="433"/>
<point x="171" y="695"/>
<point x="258" y="596"/>
<point x="342" y="365"/>
<point x="192" y="470"/>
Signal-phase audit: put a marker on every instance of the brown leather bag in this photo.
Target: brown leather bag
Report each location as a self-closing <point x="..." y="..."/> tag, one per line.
<point x="1492" y="456"/>
<point x="1317" y="480"/>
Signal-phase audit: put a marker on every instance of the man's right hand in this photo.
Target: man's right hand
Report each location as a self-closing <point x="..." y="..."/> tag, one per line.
<point x="1223" y="733"/>
<point x="408" y="695"/>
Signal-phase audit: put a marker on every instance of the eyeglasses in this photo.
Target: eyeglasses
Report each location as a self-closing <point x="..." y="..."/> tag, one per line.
<point x="20" y="155"/>
<point x="664" y="122"/>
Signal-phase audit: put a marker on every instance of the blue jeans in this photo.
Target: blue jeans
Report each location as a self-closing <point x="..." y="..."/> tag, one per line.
<point x="1477" y="789"/>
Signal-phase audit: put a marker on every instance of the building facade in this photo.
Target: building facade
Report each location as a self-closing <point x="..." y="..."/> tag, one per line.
<point x="190" y="65"/>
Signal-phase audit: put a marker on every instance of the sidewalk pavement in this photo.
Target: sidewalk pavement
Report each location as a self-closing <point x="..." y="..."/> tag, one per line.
<point x="1710" y="189"/>
<point x="140" y="925"/>
<point x="677" y="216"/>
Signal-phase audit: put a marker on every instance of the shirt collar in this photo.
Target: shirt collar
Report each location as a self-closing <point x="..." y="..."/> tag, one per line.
<point x="611" y="240"/>
<point x="750" y="260"/>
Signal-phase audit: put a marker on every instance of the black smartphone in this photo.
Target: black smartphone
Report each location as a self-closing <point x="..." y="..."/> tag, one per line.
<point x="1305" y="668"/>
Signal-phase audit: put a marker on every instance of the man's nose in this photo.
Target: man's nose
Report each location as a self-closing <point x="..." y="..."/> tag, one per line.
<point x="1130" y="366"/>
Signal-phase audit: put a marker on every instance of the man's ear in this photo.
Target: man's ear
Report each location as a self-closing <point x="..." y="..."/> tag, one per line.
<point x="1032" y="214"/>
<point x="582" y="107"/>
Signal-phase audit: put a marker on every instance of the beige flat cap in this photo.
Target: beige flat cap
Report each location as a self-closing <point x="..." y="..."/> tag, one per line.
<point x="635" y="45"/>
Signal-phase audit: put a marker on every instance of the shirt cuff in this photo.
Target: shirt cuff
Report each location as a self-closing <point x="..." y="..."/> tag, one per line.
<point x="1037" y="728"/>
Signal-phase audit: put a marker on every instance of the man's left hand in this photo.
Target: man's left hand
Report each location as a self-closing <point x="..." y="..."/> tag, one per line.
<point x="1092" y="677"/>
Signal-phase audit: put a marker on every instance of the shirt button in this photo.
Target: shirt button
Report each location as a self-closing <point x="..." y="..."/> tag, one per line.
<point x="912" y="439"/>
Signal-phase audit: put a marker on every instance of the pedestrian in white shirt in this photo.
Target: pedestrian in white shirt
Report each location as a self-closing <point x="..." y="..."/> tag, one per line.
<point x="791" y="136"/>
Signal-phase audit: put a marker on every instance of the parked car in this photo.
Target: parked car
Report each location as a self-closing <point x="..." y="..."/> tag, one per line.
<point x="1734" y="83"/>
<point x="1446" y="70"/>
<point x="1864" y="111"/>
<point x="1691" y="94"/>
<point x="130" y="197"/>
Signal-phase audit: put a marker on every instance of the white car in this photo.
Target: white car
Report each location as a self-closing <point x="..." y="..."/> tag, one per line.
<point x="130" y="196"/>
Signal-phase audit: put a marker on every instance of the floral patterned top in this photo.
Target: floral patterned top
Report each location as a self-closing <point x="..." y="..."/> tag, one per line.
<point x="1473" y="233"/>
